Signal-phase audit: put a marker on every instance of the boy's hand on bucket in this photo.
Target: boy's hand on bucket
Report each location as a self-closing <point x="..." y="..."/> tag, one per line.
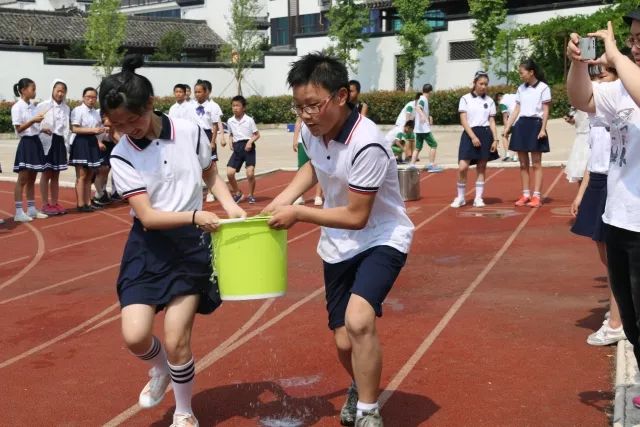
<point x="283" y="217"/>
<point x="207" y="221"/>
<point x="235" y="211"/>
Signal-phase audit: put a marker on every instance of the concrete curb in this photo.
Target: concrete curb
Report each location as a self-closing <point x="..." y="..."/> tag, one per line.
<point x="627" y="386"/>
<point x="620" y="387"/>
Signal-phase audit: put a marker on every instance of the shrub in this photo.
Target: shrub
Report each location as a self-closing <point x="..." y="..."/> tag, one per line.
<point x="384" y="106"/>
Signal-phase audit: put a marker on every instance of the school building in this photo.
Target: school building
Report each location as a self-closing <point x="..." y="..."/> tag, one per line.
<point x="291" y="28"/>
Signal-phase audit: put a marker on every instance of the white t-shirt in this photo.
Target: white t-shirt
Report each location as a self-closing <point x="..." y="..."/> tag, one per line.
<point x="410" y="109"/>
<point x="622" y="115"/>
<point x="600" y="144"/>
<point x="478" y="109"/>
<point x="532" y="97"/>
<point x="56" y="118"/>
<point x="359" y="160"/>
<point x="169" y="169"/>
<point x="508" y="103"/>
<point x="21" y="112"/>
<point x="205" y="114"/>
<point x="422" y="126"/>
<point x="241" y="129"/>
<point x="185" y="110"/>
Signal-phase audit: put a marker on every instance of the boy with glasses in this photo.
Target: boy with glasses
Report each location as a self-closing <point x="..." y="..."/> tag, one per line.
<point x="366" y="232"/>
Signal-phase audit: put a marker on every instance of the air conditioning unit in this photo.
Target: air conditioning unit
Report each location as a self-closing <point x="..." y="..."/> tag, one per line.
<point x="324" y="4"/>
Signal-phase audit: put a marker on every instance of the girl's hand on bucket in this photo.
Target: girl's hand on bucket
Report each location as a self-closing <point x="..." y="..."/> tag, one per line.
<point x="283" y="217"/>
<point x="236" y="211"/>
<point x="207" y="221"/>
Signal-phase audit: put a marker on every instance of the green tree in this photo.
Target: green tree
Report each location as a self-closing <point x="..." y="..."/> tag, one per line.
<point x="243" y="46"/>
<point x="487" y="16"/>
<point x="546" y="42"/>
<point x="412" y="36"/>
<point x="346" y="21"/>
<point x="105" y="34"/>
<point x="170" y="47"/>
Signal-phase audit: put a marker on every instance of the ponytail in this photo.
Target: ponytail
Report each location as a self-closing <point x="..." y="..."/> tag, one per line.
<point x="22" y="84"/>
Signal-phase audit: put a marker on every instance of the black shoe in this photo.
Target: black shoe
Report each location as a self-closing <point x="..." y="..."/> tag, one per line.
<point x="115" y="196"/>
<point x="95" y="207"/>
<point x="84" y="209"/>
<point x="102" y="201"/>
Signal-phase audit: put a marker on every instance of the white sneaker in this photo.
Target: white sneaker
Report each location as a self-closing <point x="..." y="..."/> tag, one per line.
<point x="606" y="335"/>
<point x="478" y="203"/>
<point x="22" y="217"/>
<point x="299" y="201"/>
<point x="318" y="201"/>
<point x="458" y="202"/>
<point x="36" y="214"/>
<point x="184" y="420"/>
<point x="210" y="198"/>
<point x="153" y="393"/>
<point x="607" y="315"/>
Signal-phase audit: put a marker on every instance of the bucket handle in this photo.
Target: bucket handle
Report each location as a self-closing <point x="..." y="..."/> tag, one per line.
<point x="231" y="220"/>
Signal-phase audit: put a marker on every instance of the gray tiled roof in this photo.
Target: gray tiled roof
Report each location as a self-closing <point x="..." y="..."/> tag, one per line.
<point x="62" y="28"/>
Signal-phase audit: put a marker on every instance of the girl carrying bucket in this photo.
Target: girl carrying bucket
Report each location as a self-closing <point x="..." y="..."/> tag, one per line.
<point x="158" y="166"/>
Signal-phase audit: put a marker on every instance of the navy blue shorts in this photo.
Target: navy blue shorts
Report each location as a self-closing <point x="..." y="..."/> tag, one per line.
<point x="369" y="274"/>
<point x="214" y="151"/>
<point x="240" y="156"/>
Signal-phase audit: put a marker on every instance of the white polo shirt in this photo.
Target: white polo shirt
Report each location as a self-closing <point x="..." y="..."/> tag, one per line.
<point x="184" y="110"/>
<point x="169" y="169"/>
<point x="243" y="128"/>
<point x="205" y="114"/>
<point x="218" y="111"/>
<point x="359" y="160"/>
<point x="508" y="103"/>
<point x="422" y="126"/>
<point x="21" y="112"/>
<point x="622" y="115"/>
<point x="532" y="97"/>
<point x="56" y="118"/>
<point x="86" y="117"/>
<point x="600" y="144"/>
<point x="410" y="109"/>
<point x="478" y="109"/>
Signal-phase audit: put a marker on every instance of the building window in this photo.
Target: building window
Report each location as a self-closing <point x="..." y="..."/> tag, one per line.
<point x="436" y="19"/>
<point x="312" y="23"/>
<point x="375" y="22"/>
<point x="460" y="51"/>
<point x="280" y="31"/>
<point x="172" y="13"/>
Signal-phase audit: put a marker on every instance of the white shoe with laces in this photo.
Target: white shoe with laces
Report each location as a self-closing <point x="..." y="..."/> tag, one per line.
<point x="606" y="335"/>
<point x="458" y="202"/>
<point x="210" y="198"/>
<point x="184" y="420"/>
<point x="478" y="203"/>
<point x="318" y="201"/>
<point x="22" y="217"/>
<point x="299" y="201"/>
<point x="153" y="393"/>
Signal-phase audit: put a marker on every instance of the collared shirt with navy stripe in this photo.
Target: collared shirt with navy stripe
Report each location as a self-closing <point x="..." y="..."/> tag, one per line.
<point x="358" y="160"/>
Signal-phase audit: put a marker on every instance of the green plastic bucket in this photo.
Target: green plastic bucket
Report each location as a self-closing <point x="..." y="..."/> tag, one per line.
<point x="250" y="259"/>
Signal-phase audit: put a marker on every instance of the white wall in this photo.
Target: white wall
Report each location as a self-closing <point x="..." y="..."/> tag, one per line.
<point x="268" y="81"/>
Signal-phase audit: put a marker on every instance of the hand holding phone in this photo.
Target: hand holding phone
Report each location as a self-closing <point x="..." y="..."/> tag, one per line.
<point x="587" y="46"/>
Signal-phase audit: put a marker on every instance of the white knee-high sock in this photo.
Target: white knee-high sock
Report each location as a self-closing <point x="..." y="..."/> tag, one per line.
<point x="461" y="186"/>
<point x="156" y="356"/>
<point x="182" y="379"/>
<point x="479" y="189"/>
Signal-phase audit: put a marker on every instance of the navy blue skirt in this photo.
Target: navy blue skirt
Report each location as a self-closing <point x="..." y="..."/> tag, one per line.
<point x="104" y="155"/>
<point x="56" y="158"/>
<point x="589" y="219"/>
<point x="29" y="155"/>
<point x="214" y="152"/>
<point x="467" y="151"/>
<point x="160" y="265"/>
<point x="524" y="136"/>
<point x="85" y="151"/>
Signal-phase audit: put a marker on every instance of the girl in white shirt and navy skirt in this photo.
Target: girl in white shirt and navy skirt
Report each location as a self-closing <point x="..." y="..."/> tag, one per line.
<point x="479" y="140"/>
<point x="85" y="153"/>
<point x="30" y="154"/>
<point x="530" y="132"/>
<point x="158" y="166"/>
<point x="56" y="122"/>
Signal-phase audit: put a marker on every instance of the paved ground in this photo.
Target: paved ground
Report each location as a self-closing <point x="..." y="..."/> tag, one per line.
<point x="275" y="148"/>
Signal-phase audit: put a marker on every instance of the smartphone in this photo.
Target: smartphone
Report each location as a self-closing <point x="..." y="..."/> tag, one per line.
<point x="587" y="46"/>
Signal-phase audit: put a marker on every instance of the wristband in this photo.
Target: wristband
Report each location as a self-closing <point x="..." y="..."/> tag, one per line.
<point x="193" y="218"/>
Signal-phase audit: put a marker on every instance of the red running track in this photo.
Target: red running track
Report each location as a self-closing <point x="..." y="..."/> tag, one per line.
<point x="485" y="326"/>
